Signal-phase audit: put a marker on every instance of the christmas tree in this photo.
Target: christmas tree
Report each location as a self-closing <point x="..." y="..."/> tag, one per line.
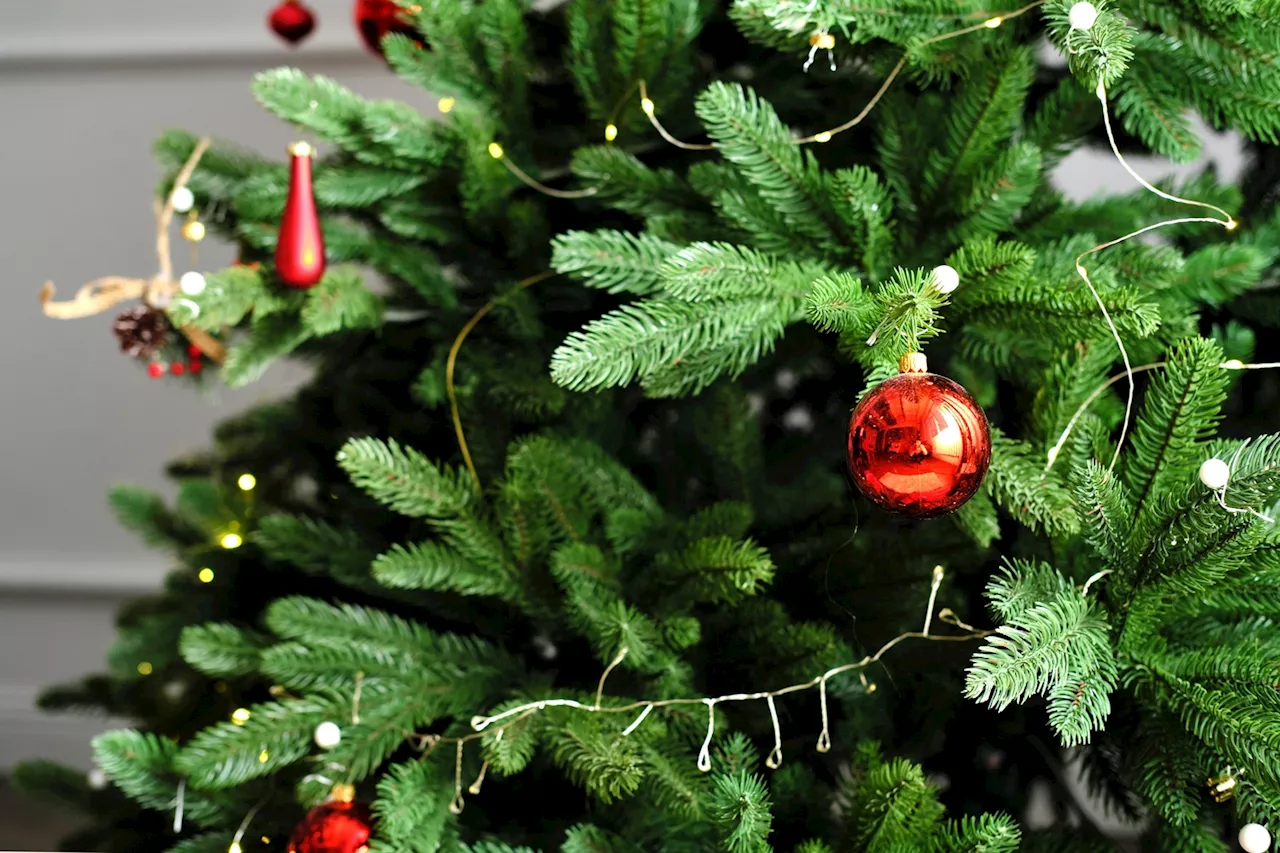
<point x="566" y="508"/>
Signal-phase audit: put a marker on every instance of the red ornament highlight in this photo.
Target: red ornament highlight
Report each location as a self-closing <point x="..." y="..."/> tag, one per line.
<point x="292" y="21"/>
<point x="375" y="18"/>
<point x="300" y="244"/>
<point x="333" y="827"/>
<point x="156" y="369"/>
<point x="919" y="444"/>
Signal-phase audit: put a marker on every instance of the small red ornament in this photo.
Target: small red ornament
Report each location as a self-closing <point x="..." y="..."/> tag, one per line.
<point x="195" y="366"/>
<point x="376" y="18"/>
<point x="156" y="369"/>
<point x="919" y="444"/>
<point x="340" y="825"/>
<point x="300" y="243"/>
<point x="177" y="368"/>
<point x="292" y="21"/>
<point x="194" y="351"/>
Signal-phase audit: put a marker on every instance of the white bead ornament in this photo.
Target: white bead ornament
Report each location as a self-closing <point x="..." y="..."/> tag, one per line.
<point x="1254" y="838"/>
<point x="97" y="779"/>
<point x="182" y="199"/>
<point x="1082" y="16"/>
<point x="945" y="279"/>
<point x="192" y="283"/>
<point x="1214" y="473"/>
<point x="327" y="735"/>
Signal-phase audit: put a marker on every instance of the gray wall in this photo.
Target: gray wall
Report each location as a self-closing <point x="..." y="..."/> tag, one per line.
<point x="84" y="88"/>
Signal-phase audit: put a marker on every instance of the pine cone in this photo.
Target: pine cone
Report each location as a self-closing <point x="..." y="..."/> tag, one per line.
<point x="142" y="331"/>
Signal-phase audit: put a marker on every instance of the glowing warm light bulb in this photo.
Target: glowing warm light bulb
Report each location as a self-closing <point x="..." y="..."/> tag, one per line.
<point x="610" y="132"/>
<point x="992" y="23"/>
<point x="446" y="104"/>
<point x="1232" y="224"/>
<point x="144" y="668"/>
<point x="825" y="136"/>
<point x="263" y="756"/>
<point x="235" y="847"/>
<point x="495" y="151"/>
<point x="246" y="482"/>
<point x="240" y="716"/>
<point x="647" y="106"/>
<point x="1233" y="364"/>
<point x="205" y="575"/>
<point x="231" y="540"/>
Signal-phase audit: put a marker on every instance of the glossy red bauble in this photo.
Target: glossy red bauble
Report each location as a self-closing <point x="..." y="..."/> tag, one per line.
<point x="155" y="369"/>
<point x="300" y="243"/>
<point x="177" y="368"/>
<point x="292" y="21"/>
<point x="919" y="445"/>
<point x="375" y="18"/>
<point x="333" y="827"/>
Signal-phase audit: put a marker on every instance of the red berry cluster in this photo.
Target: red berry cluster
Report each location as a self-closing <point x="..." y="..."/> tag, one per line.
<point x="157" y="369"/>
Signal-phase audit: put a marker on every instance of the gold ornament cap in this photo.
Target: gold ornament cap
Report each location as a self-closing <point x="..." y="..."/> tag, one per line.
<point x="301" y="149"/>
<point x="913" y="362"/>
<point x="1222" y="787"/>
<point x="343" y="793"/>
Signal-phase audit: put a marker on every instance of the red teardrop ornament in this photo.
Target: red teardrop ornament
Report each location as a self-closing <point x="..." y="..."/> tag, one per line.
<point x="300" y="245"/>
<point x="292" y="21"/>
<point x="375" y="18"/>
<point x="333" y="827"/>
<point x="919" y="445"/>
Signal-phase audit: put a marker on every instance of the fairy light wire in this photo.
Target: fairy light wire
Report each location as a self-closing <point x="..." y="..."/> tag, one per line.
<point x="451" y="365"/>
<point x="990" y="23"/>
<point x="1229" y="364"/>
<point x="646" y="706"/>
<point x="1228" y="222"/>
<point x="648" y="107"/>
<point x="497" y="152"/>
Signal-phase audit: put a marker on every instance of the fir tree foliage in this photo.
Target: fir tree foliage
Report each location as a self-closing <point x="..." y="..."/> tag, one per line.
<point x="652" y="477"/>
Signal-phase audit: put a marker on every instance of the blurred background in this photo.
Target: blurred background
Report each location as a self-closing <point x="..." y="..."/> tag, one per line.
<point x="84" y="89"/>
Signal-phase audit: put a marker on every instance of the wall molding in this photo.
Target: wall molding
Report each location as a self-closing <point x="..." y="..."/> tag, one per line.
<point x="78" y="578"/>
<point x="27" y="732"/>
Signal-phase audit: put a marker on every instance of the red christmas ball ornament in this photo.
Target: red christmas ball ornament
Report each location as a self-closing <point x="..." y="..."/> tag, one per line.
<point x="919" y="444"/>
<point x="177" y="368"/>
<point x="156" y="369"/>
<point x="340" y="825"/>
<point x="195" y="366"/>
<point x="375" y="18"/>
<point x="300" y="243"/>
<point x="292" y="21"/>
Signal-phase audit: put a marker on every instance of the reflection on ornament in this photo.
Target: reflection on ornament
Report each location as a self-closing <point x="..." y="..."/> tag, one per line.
<point x="918" y="443"/>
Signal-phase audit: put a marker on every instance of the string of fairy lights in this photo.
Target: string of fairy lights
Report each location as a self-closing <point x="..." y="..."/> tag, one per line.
<point x="1214" y="473"/>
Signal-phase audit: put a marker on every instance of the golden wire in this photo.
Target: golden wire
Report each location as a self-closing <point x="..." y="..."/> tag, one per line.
<point x="543" y="188"/>
<point x="826" y="135"/>
<point x="648" y="108"/>
<point x="452" y="363"/>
